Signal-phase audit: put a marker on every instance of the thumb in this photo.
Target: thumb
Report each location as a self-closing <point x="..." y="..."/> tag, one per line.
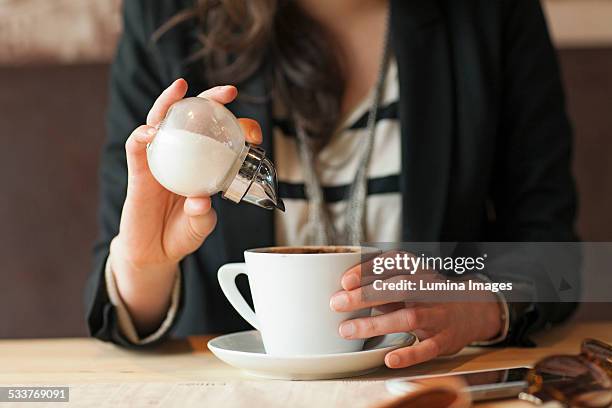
<point x="136" y="149"/>
<point x="201" y="218"/>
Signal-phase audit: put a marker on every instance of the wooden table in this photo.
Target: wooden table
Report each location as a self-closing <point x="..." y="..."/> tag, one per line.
<point x="89" y="361"/>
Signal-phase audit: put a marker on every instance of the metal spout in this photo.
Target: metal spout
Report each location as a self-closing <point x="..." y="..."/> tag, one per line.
<point x="263" y="191"/>
<point x="256" y="182"/>
<point x="280" y="205"/>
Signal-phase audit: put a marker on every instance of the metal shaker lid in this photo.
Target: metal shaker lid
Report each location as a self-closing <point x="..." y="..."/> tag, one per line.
<point x="255" y="182"/>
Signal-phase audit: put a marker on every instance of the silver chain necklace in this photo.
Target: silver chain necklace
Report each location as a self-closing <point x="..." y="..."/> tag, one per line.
<point x="323" y="231"/>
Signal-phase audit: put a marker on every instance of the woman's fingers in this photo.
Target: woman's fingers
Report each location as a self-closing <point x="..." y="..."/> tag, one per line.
<point x="352" y="278"/>
<point x="136" y="149"/>
<point x="136" y="144"/>
<point x="391" y="307"/>
<point x="408" y="356"/>
<point x="201" y="226"/>
<point x="197" y="206"/>
<point x="366" y="272"/>
<point x="251" y="130"/>
<point x="378" y="293"/>
<point x="402" y="320"/>
<point x="226" y="94"/>
<point x="201" y="217"/>
<point x="172" y="94"/>
<point x="222" y="94"/>
<point x="348" y="301"/>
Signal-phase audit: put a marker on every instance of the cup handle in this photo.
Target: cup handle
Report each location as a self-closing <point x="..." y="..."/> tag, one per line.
<point x="227" y="280"/>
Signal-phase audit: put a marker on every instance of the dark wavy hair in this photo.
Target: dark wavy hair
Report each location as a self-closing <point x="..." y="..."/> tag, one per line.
<point x="298" y="58"/>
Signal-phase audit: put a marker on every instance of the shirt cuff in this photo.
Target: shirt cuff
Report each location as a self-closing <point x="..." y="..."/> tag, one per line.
<point x="126" y="326"/>
<point x="505" y="316"/>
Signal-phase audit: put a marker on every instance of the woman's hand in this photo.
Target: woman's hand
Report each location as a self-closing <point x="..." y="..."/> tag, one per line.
<point x="158" y="228"/>
<point x="443" y="328"/>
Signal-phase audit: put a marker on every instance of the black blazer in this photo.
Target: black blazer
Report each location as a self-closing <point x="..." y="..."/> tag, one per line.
<point x="484" y="129"/>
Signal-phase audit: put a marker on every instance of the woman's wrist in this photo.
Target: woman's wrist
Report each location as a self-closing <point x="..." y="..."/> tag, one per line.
<point x="137" y="266"/>
<point x="145" y="289"/>
<point x="491" y="318"/>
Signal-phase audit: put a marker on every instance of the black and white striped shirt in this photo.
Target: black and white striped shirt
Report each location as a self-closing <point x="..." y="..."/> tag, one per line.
<point x="336" y="167"/>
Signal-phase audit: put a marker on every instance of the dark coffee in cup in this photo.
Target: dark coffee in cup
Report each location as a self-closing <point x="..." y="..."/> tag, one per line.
<point x="310" y="250"/>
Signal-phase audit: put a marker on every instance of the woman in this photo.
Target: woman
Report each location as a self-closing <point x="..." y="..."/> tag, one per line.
<point x="470" y="142"/>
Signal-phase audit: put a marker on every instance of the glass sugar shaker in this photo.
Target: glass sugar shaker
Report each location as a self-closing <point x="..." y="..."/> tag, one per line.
<point x="200" y="150"/>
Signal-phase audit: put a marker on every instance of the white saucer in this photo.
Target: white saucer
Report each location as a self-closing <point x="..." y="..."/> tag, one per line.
<point x="245" y="350"/>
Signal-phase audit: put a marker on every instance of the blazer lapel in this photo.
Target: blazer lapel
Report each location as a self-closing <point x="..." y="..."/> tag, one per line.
<point x="426" y="110"/>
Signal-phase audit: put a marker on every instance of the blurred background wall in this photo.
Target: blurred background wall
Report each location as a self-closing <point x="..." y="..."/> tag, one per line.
<point x="54" y="58"/>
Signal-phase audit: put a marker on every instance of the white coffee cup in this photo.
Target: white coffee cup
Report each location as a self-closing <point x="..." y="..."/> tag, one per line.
<point x="291" y="292"/>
